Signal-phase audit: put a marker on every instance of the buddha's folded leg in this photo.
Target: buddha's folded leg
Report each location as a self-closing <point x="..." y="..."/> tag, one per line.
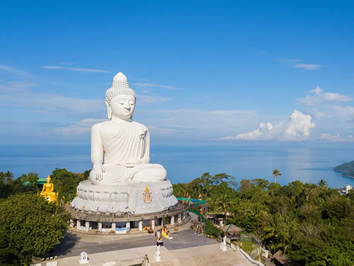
<point x="149" y="173"/>
<point x="113" y="175"/>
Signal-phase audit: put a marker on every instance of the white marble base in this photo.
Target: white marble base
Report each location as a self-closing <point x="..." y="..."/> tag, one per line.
<point x="130" y="198"/>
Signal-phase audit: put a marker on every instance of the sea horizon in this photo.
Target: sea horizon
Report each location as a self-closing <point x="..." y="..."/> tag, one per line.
<point x="305" y="162"/>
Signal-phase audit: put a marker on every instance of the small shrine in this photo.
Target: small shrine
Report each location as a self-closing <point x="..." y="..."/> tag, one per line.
<point x="48" y="191"/>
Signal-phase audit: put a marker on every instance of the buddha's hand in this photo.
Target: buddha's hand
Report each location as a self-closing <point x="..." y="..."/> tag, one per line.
<point x="99" y="170"/>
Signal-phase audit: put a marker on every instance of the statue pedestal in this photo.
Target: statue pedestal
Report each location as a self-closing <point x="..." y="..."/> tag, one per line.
<point x="134" y="198"/>
<point x="157" y="255"/>
<point x="223" y="247"/>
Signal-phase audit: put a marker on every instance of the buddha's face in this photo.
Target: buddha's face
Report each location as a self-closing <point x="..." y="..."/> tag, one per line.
<point x="122" y="106"/>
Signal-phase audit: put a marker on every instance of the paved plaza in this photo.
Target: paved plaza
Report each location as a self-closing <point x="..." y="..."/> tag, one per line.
<point x="202" y="255"/>
<point x="186" y="248"/>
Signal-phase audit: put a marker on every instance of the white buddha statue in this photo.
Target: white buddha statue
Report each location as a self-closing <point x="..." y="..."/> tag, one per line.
<point x="120" y="147"/>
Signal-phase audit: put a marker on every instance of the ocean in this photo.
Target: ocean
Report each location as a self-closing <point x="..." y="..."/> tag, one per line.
<point x="296" y="161"/>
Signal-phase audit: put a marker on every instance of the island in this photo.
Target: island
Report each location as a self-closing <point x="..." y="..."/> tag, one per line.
<point x="346" y="169"/>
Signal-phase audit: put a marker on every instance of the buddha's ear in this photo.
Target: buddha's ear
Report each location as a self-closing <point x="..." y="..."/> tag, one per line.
<point x="109" y="110"/>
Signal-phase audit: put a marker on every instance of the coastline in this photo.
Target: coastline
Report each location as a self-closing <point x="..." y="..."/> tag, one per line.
<point x="183" y="164"/>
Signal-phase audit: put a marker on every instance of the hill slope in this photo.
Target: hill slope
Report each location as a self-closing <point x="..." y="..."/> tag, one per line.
<point x="346" y="169"/>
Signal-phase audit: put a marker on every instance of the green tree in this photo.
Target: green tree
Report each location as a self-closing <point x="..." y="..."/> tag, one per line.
<point x="65" y="183"/>
<point x="309" y="251"/>
<point x="29" y="226"/>
<point x="222" y="198"/>
<point x="218" y="178"/>
<point x="30" y="179"/>
<point x="10" y="186"/>
<point x="322" y="183"/>
<point x="245" y="185"/>
<point x="6" y="184"/>
<point x="179" y="190"/>
<point x="276" y="173"/>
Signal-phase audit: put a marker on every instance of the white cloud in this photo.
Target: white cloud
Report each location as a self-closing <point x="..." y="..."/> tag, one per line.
<point x="150" y="99"/>
<point x="337" y="138"/>
<point x="296" y="63"/>
<point x="307" y="66"/>
<point x="152" y="85"/>
<point x="344" y="112"/>
<point x="299" y="126"/>
<point x="264" y="132"/>
<point x="14" y="70"/>
<point x="161" y="131"/>
<point x="77" y="69"/>
<point x="52" y="67"/>
<point x="21" y="94"/>
<point x="318" y="96"/>
<point x="196" y="124"/>
<point x="16" y="87"/>
<point x="80" y="128"/>
<point x="72" y="131"/>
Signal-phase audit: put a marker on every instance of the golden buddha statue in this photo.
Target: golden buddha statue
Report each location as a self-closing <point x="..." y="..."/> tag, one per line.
<point x="48" y="191"/>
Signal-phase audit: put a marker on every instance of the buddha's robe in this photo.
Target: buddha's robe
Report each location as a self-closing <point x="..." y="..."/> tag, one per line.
<point x="125" y="148"/>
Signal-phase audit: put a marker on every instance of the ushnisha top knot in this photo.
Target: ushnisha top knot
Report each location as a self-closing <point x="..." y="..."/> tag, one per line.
<point x="120" y="86"/>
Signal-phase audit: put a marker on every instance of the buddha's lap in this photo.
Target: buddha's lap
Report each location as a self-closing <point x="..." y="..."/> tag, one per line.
<point x="138" y="173"/>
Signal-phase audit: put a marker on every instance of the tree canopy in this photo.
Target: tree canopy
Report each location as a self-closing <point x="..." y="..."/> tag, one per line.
<point x="312" y="224"/>
<point x="29" y="225"/>
<point x="10" y="186"/>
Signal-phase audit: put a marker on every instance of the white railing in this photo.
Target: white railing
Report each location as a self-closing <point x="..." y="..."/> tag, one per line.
<point x="244" y="253"/>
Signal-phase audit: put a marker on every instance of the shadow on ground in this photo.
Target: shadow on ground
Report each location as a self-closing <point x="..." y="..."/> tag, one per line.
<point x="66" y="245"/>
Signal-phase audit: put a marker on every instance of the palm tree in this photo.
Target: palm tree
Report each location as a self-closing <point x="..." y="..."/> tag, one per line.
<point x="276" y="173"/>
<point x="322" y="183"/>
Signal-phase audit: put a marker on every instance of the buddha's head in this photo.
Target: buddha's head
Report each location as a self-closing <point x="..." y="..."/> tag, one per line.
<point x="120" y="98"/>
<point x="48" y="179"/>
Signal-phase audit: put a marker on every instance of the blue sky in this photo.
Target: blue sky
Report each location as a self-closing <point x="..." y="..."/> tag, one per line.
<point x="204" y="71"/>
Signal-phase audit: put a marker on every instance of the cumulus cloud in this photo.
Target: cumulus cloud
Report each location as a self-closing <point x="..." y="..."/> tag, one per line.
<point x="298" y="128"/>
<point x="264" y="132"/>
<point x="77" y="69"/>
<point x="318" y="96"/>
<point x="337" y="138"/>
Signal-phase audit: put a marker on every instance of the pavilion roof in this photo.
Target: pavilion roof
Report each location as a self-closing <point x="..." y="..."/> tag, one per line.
<point x="281" y="257"/>
<point x="231" y="228"/>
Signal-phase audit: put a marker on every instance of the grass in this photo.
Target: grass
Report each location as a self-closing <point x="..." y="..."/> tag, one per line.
<point x="247" y="246"/>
